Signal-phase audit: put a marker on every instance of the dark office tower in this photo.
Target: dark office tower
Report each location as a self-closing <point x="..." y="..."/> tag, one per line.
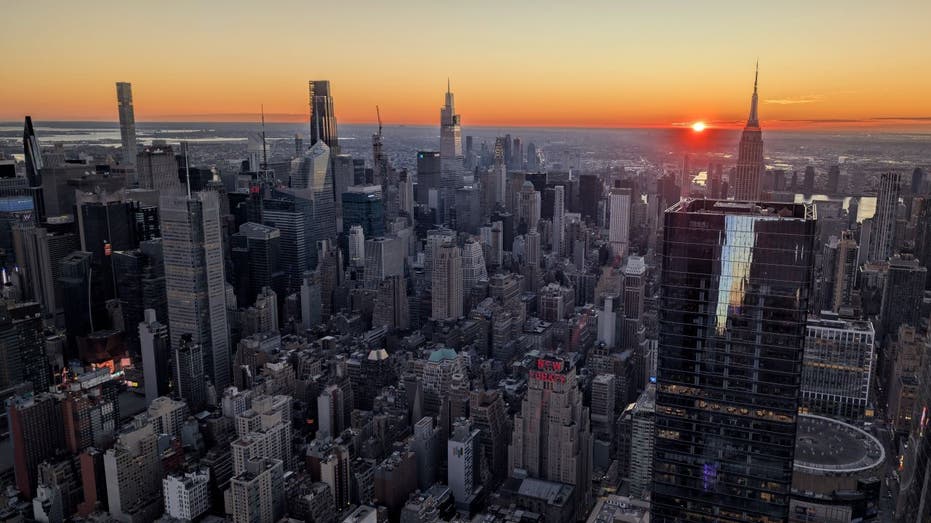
<point x="343" y="179"/>
<point x="882" y="237"/>
<point x="34" y="166"/>
<point x="22" y="347"/>
<point x="33" y="155"/>
<point x="833" y="180"/>
<point x="489" y="414"/>
<point x="808" y="185"/>
<point x="590" y="192"/>
<point x="255" y="253"/>
<point x="74" y="279"/>
<point x="919" y="177"/>
<point x="140" y="285"/>
<point x="450" y="128"/>
<point x="750" y="165"/>
<point x="189" y="373"/>
<point x="157" y="168"/>
<point x="428" y="175"/>
<point x="312" y="179"/>
<point x="736" y="280"/>
<point x="322" y="115"/>
<point x="194" y="278"/>
<point x="902" y="294"/>
<point x="845" y="271"/>
<point x="517" y="155"/>
<point x="156" y="355"/>
<point x="291" y="216"/>
<point x="105" y="226"/>
<point x="364" y="206"/>
<point x="124" y="102"/>
<point x="468" y="145"/>
<point x="37" y="432"/>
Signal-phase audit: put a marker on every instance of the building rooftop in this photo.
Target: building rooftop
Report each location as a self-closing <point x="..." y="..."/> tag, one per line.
<point x="553" y="493"/>
<point x="829" y="447"/>
<point x="798" y="211"/>
<point x="442" y="354"/>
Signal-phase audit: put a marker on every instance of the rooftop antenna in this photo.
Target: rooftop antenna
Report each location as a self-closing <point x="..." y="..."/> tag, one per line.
<point x="187" y="169"/>
<point x="264" y="145"/>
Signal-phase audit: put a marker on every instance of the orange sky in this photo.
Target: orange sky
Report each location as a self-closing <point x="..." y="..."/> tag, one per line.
<point x="593" y="63"/>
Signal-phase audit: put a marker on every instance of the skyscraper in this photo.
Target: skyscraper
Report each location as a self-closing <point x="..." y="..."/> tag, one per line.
<point x="322" y="115"/>
<point x="750" y="165"/>
<point x="124" y="101"/>
<point x="559" y="220"/>
<point x="736" y="282"/>
<point x="194" y="278"/>
<point x="450" y="129"/>
<point x="552" y="437"/>
<point x="619" y="229"/>
<point x="37" y="432"/>
<point x="157" y="168"/>
<point x="255" y="252"/>
<point x="312" y="179"/>
<point x="153" y="341"/>
<point x="447" y="283"/>
<point x="189" y="373"/>
<point x="882" y="236"/>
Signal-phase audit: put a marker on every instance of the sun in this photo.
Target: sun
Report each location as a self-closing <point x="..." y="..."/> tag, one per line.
<point x="698" y="127"/>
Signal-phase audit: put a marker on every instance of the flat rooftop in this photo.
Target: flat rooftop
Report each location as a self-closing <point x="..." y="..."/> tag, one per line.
<point x="787" y="210"/>
<point x="827" y="446"/>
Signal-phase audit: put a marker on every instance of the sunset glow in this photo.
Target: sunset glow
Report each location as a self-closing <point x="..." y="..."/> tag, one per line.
<point x="698" y="127"/>
<point x="574" y="68"/>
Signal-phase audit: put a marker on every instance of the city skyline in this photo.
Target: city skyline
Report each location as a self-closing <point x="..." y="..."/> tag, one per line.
<point x="603" y="64"/>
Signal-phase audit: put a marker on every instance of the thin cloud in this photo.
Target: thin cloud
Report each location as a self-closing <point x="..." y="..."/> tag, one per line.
<point x="903" y="118"/>
<point x="810" y="99"/>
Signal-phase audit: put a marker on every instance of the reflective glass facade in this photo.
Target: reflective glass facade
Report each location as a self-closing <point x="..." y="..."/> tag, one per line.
<point x="735" y="288"/>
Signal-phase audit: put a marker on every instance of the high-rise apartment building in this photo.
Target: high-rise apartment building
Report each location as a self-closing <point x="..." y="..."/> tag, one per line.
<point x="882" y="236"/>
<point x="356" y="246"/>
<point x="124" y="101"/>
<point x="736" y="279"/>
<point x="559" y="220"/>
<point x="462" y="454"/>
<point x="186" y="495"/>
<point x="750" y="164"/>
<point x="36" y="432"/>
<point x="447" y="283"/>
<point x="134" y="474"/>
<point x="257" y="494"/>
<point x="619" y="228"/>
<point x="194" y="278"/>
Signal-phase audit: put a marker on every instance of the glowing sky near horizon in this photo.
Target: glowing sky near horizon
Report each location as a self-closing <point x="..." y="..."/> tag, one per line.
<point x="593" y="63"/>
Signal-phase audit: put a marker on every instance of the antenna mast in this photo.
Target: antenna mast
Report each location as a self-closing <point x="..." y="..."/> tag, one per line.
<point x="264" y="145"/>
<point x="187" y="169"/>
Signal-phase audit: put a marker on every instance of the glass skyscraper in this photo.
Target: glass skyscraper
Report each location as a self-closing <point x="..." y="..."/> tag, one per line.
<point x="736" y="280"/>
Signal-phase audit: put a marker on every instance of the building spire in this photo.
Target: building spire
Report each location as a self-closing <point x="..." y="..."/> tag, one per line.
<point x="448" y="86"/>
<point x="754" y="120"/>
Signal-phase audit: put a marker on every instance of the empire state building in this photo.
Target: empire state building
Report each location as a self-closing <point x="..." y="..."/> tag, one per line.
<point x="750" y="165"/>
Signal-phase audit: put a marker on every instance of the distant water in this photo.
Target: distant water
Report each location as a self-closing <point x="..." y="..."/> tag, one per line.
<point x="866" y="207"/>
